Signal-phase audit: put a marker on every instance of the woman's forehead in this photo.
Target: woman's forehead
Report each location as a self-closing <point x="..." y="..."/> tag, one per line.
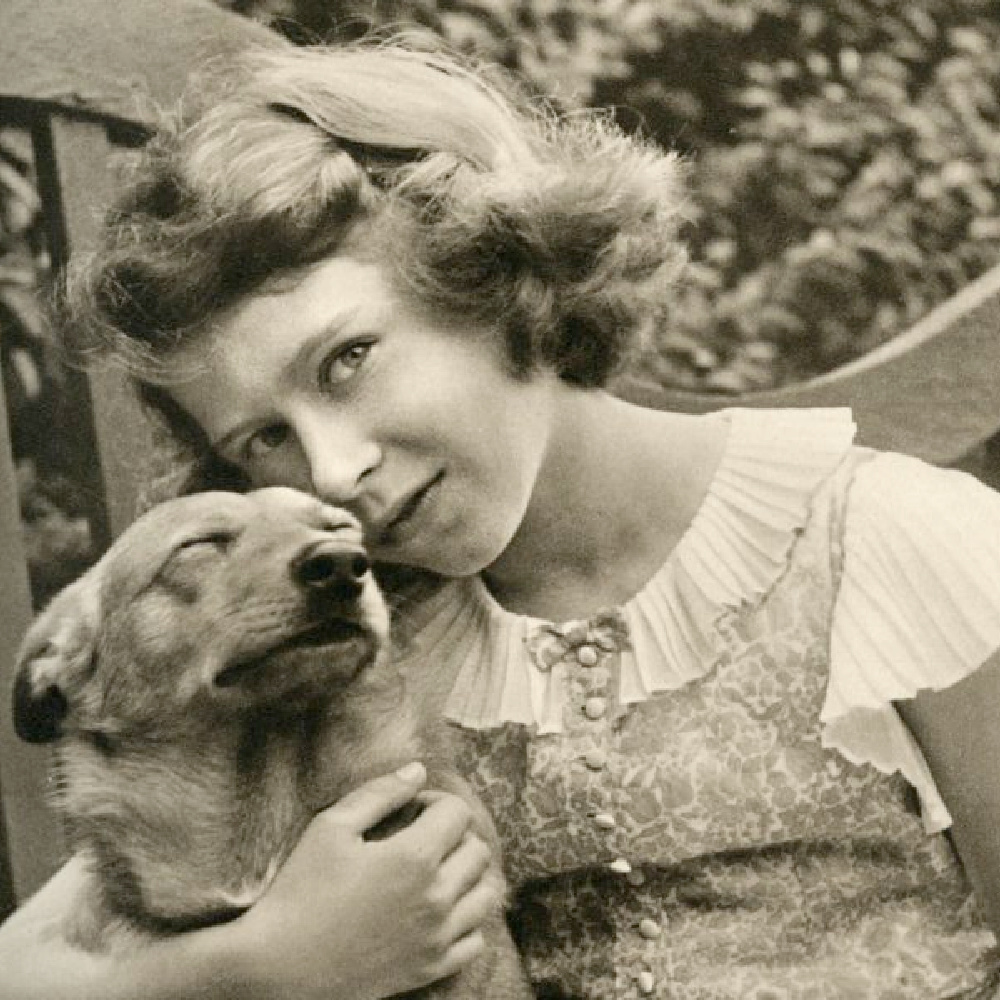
<point x="320" y="300"/>
<point x="264" y="345"/>
<point x="338" y="285"/>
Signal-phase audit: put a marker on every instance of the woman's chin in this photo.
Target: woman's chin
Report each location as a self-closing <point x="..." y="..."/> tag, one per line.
<point x="449" y="558"/>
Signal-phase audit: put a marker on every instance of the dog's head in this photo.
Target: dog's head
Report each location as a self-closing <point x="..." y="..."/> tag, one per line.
<point x="211" y="604"/>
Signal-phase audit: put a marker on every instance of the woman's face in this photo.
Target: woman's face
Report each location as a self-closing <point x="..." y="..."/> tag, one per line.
<point x="338" y="387"/>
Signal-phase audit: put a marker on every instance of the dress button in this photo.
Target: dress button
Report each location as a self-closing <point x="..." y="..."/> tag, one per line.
<point x="620" y="866"/>
<point x="649" y="928"/>
<point x="605" y="821"/>
<point x="636" y="877"/>
<point x="596" y="759"/>
<point x="646" y="982"/>
<point x="594" y="708"/>
<point x="587" y="655"/>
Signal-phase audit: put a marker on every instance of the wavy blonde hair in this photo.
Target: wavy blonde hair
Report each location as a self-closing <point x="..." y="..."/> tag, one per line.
<point x="486" y="207"/>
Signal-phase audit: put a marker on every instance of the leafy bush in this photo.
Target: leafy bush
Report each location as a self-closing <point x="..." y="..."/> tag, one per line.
<point x="846" y="152"/>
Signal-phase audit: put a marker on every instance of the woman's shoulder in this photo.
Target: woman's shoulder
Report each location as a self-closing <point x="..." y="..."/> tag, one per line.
<point x="810" y="456"/>
<point x="917" y="526"/>
<point x="918" y="603"/>
<point x="780" y="458"/>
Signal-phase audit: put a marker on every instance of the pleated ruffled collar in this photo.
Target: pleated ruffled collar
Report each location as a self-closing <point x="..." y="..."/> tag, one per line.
<point x="510" y="668"/>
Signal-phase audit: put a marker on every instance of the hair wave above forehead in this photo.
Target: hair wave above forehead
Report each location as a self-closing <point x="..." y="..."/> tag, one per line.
<point x="379" y="96"/>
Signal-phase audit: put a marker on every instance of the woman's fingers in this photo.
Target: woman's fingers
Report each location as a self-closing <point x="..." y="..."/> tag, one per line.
<point x="325" y="916"/>
<point x="440" y="828"/>
<point x="465" y="867"/>
<point x="367" y="806"/>
<point x="459" y="955"/>
<point x="472" y="909"/>
<point x="463" y="929"/>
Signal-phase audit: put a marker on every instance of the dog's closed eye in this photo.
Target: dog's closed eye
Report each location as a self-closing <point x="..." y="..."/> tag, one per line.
<point x="220" y="540"/>
<point x="179" y="571"/>
<point x="196" y="546"/>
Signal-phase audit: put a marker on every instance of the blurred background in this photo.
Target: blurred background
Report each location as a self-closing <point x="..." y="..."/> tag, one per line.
<point x="845" y="179"/>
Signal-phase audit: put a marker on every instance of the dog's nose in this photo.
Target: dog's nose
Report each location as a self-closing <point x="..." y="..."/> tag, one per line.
<point x="330" y="567"/>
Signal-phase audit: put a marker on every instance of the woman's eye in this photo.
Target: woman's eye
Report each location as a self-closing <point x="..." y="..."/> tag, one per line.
<point x="262" y="442"/>
<point x="342" y="363"/>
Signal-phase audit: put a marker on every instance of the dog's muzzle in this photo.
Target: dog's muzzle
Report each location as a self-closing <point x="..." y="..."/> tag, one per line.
<point x="331" y="576"/>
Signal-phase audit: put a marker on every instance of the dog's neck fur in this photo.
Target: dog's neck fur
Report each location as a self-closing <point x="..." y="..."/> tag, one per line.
<point x="193" y="828"/>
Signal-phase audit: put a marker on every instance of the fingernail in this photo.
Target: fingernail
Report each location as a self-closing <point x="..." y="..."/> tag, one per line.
<point x="411" y="772"/>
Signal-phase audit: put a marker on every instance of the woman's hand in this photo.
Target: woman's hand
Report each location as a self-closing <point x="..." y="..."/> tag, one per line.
<point x="367" y="919"/>
<point x="345" y="918"/>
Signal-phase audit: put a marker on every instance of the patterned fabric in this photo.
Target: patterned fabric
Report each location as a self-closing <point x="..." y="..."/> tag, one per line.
<point x="707" y="837"/>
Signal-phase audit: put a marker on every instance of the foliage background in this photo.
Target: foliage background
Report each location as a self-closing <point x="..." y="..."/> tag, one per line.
<point x="846" y="167"/>
<point x="846" y="176"/>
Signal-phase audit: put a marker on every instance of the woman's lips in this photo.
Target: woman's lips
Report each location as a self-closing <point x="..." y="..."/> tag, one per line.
<point x="396" y="529"/>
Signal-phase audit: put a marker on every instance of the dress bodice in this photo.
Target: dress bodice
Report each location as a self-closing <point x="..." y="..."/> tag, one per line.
<point x="677" y="814"/>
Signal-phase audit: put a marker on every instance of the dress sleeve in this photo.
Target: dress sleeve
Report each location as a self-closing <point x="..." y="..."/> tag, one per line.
<point x="918" y="608"/>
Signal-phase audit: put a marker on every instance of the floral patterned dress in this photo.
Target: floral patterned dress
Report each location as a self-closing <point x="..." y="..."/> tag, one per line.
<point x="706" y="794"/>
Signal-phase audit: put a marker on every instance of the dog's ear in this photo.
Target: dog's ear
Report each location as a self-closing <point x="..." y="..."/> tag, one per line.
<point x="54" y="661"/>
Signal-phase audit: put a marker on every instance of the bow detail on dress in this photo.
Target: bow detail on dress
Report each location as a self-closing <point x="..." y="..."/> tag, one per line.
<point x="549" y="643"/>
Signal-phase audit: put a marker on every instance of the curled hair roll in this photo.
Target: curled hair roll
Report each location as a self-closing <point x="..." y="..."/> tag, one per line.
<point x="573" y="255"/>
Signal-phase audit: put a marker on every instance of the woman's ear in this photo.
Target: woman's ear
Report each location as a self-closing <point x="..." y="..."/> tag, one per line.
<point x="55" y="661"/>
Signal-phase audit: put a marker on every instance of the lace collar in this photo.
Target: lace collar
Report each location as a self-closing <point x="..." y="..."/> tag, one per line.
<point x="510" y="667"/>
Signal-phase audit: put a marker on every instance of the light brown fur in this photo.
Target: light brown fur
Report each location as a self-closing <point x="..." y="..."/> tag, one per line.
<point x="186" y="780"/>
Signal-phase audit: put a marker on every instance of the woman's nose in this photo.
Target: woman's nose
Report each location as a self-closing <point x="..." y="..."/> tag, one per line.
<point x="337" y="465"/>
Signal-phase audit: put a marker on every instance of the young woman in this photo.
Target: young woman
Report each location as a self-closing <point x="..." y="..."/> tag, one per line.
<point x="727" y="683"/>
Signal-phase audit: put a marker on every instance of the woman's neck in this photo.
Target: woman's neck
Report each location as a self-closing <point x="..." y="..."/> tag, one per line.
<point x="618" y="487"/>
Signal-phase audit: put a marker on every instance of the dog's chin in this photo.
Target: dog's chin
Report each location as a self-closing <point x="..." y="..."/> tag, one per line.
<point x="335" y="649"/>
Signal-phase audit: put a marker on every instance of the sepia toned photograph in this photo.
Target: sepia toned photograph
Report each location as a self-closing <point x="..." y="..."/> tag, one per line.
<point x="498" y="499"/>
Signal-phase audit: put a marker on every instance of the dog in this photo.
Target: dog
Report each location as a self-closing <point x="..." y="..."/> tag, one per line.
<point x="218" y="677"/>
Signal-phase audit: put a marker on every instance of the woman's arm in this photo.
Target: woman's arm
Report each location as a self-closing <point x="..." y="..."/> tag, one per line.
<point x="958" y="730"/>
<point x="38" y="964"/>
<point x="345" y="917"/>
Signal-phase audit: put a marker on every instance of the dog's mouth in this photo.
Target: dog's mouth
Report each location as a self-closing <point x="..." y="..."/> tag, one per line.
<point x="331" y="632"/>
